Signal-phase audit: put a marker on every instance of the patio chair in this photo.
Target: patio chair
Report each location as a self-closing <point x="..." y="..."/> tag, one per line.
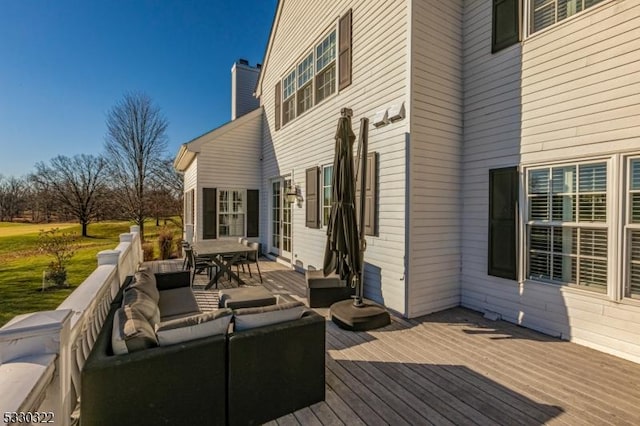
<point x="198" y="264"/>
<point x="251" y="257"/>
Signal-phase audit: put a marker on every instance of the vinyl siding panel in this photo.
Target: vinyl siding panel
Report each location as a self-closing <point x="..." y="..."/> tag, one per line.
<point x="435" y="156"/>
<point x="379" y="79"/>
<point x="565" y="93"/>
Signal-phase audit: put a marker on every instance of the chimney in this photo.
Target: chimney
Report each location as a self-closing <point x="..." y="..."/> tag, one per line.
<point x="244" y="78"/>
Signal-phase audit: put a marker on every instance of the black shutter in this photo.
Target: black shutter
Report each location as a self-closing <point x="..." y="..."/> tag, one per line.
<point x="277" y="105"/>
<point x="505" y="29"/>
<point x="503" y="212"/>
<point x="344" y="51"/>
<point x="253" y="209"/>
<point x="312" y="197"/>
<point x="370" y="212"/>
<point x="209" y="213"/>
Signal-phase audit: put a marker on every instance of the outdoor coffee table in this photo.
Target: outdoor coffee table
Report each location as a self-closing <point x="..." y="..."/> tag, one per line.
<point x="223" y="253"/>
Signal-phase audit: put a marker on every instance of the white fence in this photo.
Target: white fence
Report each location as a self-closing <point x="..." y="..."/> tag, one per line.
<point x="42" y="353"/>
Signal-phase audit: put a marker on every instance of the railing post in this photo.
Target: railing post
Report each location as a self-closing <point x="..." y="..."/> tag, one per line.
<point x="38" y="334"/>
<point x="110" y="257"/>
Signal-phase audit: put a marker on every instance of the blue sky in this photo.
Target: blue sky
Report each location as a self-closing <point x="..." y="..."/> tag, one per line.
<point x="65" y="63"/>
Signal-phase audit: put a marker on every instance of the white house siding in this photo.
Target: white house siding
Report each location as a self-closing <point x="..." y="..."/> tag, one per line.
<point x="578" y="97"/>
<point x="230" y="160"/>
<point x="380" y="37"/>
<point x="435" y="156"/>
<point x="191" y="182"/>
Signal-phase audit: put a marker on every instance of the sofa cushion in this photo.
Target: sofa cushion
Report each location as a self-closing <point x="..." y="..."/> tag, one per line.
<point x="145" y="280"/>
<point x="193" y="327"/>
<point x="248" y="318"/>
<point x="139" y="300"/>
<point x="131" y="332"/>
<point x="177" y="302"/>
<point x="246" y="297"/>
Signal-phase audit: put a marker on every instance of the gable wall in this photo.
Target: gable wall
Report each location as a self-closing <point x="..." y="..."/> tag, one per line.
<point x="380" y="73"/>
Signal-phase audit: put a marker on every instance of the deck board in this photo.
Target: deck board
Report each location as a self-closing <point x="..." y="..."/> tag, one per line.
<point x="453" y="367"/>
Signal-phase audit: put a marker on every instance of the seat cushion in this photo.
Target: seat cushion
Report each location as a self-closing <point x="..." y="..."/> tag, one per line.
<point x="131" y="332"/>
<point x="248" y="318"/>
<point x="246" y="297"/>
<point x="193" y="327"/>
<point x="177" y="302"/>
<point x="316" y="279"/>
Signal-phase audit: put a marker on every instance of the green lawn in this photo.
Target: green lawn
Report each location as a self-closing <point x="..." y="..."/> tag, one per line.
<point x="21" y="265"/>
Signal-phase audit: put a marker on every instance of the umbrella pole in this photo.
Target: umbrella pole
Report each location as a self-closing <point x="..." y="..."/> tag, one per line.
<point x="364" y="136"/>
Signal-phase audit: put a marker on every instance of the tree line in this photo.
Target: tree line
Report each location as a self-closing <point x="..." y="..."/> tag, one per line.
<point x="133" y="179"/>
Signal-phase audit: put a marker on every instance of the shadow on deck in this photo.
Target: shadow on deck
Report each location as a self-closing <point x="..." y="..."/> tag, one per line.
<point x="455" y="367"/>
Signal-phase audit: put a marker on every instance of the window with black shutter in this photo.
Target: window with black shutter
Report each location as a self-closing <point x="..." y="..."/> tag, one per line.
<point x="505" y="29"/>
<point x="253" y="209"/>
<point x="277" y="104"/>
<point x="209" y="213"/>
<point x="503" y="212"/>
<point x="370" y="212"/>
<point x="312" y="215"/>
<point x="344" y="56"/>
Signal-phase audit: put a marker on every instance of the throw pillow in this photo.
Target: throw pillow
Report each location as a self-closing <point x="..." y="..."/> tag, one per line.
<point x="248" y="318"/>
<point x="193" y="327"/>
<point x="139" y="300"/>
<point x="131" y="332"/>
<point x="145" y="280"/>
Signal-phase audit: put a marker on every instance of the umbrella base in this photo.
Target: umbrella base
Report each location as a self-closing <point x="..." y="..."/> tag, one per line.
<point x="369" y="316"/>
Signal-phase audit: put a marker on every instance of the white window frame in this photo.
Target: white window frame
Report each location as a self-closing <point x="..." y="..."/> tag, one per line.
<point x="609" y="224"/>
<point x="220" y="212"/>
<point x="289" y="96"/>
<point x="306" y="73"/>
<point x="529" y="15"/>
<point x="628" y="227"/>
<point x="332" y="62"/>
<point x="323" y="188"/>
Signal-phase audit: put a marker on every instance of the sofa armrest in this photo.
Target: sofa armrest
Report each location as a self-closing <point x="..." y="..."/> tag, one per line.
<point x="178" y="384"/>
<point x="276" y="369"/>
<point x="170" y="280"/>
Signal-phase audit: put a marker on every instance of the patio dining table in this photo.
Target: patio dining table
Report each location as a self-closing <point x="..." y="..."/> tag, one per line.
<point x="224" y="253"/>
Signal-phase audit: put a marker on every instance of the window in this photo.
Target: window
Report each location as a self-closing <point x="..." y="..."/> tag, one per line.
<point x="567" y="225"/>
<point x="305" y="80"/>
<point x="547" y="12"/>
<point x="632" y="230"/>
<point x="326" y="67"/>
<point x="289" y="103"/>
<point x="327" y="193"/>
<point x="231" y="213"/>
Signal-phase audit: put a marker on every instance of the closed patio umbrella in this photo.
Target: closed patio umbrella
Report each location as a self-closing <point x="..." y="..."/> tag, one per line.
<point x="342" y="252"/>
<point x="345" y="245"/>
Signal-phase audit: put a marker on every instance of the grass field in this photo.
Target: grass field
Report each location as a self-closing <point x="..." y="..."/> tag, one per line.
<point x="21" y="264"/>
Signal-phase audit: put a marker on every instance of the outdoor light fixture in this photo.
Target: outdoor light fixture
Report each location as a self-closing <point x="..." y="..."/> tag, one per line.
<point x="293" y="194"/>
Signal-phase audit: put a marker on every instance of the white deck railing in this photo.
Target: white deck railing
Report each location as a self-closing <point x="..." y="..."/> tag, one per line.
<point x="42" y="353"/>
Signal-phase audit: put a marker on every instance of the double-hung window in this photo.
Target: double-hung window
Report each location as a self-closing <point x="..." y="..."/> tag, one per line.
<point x="327" y="193"/>
<point x="288" y="96"/>
<point x="326" y="67"/>
<point x="305" y="84"/>
<point x="568" y="225"/>
<point x="545" y="13"/>
<point x="231" y="213"/>
<point x="632" y="230"/>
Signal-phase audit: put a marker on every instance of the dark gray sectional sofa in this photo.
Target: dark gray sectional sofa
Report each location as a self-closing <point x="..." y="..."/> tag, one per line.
<point x="240" y="378"/>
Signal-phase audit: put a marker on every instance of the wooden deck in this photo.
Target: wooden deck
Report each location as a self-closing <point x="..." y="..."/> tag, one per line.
<point x="456" y="368"/>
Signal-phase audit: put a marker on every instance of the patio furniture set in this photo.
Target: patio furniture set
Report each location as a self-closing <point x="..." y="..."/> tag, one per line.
<point x="159" y="360"/>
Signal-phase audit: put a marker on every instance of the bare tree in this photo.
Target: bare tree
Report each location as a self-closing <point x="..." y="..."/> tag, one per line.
<point x="13" y="194"/>
<point x="135" y="143"/>
<point x="76" y="183"/>
<point x="168" y="193"/>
